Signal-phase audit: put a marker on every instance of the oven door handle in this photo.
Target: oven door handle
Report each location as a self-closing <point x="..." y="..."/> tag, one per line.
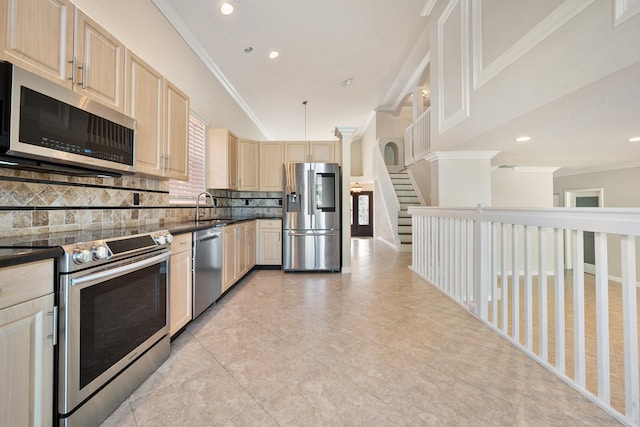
<point x="119" y="270"/>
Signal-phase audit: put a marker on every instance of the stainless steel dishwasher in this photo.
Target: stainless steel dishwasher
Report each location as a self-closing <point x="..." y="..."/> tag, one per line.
<point x="207" y="268"/>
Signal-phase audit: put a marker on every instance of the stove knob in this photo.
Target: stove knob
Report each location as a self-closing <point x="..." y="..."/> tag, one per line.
<point x="169" y="238"/>
<point x="100" y="252"/>
<point x="81" y="256"/>
<point x="161" y="240"/>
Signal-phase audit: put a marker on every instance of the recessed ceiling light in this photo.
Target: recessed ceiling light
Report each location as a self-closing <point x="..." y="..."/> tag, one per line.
<point x="248" y="49"/>
<point x="635" y="139"/>
<point x="347" y="83"/>
<point x="226" y="9"/>
<point x="523" y="138"/>
<point x="274" y="54"/>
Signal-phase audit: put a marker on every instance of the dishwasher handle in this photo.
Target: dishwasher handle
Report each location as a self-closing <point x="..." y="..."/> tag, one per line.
<point x="211" y="237"/>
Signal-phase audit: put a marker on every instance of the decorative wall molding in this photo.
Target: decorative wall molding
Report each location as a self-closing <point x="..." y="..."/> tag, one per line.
<point x="428" y="7"/>
<point x="460" y="155"/>
<point x="556" y="19"/>
<point x="447" y="122"/>
<point x="623" y="10"/>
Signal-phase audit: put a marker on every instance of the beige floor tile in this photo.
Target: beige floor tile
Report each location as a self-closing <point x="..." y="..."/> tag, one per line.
<point x="378" y="347"/>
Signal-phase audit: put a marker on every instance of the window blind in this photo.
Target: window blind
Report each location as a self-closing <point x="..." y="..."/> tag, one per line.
<point x="187" y="191"/>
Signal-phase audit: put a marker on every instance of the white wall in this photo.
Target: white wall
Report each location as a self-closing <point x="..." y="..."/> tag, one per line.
<point x="580" y="51"/>
<point x="421" y="173"/>
<point x="143" y="29"/>
<point x="460" y="182"/>
<point x="369" y="143"/>
<point x="522" y="187"/>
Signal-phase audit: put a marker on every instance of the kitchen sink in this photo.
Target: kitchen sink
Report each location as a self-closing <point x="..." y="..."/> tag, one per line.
<point x="220" y="222"/>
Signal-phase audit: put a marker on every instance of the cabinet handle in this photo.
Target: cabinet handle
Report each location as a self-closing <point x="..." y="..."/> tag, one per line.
<point x="167" y="162"/>
<point x="84" y="75"/>
<point x="54" y="331"/>
<point x="73" y="63"/>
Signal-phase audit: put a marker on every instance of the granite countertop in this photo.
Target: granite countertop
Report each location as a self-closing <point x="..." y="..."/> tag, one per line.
<point x="30" y="248"/>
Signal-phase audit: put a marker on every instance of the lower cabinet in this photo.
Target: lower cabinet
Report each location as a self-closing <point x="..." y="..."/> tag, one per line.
<point x="269" y="242"/>
<point x="238" y="252"/>
<point x="26" y="345"/>
<point x="180" y="282"/>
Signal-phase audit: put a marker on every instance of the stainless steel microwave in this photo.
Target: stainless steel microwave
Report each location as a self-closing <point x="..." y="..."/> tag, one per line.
<point x="46" y="126"/>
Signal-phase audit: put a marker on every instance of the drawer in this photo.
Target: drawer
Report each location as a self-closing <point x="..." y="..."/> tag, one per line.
<point x="20" y="283"/>
<point x="181" y="243"/>
<point x="270" y="223"/>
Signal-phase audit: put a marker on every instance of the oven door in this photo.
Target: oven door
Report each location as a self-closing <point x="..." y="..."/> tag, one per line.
<point x="109" y="317"/>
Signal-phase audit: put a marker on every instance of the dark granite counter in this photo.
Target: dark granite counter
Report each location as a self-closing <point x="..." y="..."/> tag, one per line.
<point x="16" y="256"/>
<point x="191" y="226"/>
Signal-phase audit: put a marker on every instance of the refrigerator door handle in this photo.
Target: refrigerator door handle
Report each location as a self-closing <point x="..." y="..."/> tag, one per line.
<point x="311" y="233"/>
<point x="310" y="191"/>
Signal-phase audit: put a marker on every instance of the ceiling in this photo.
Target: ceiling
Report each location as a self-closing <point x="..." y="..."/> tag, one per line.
<point x="321" y="44"/>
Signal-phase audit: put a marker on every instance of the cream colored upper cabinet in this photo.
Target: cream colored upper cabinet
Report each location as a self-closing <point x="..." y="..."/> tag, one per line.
<point x="99" y="63"/>
<point x="176" y="139"/>
<point x="248" y="165"/>
<point x="144" y="101"/>
<point x="309" y="151"/>
<point x="222" y="159"/>
<point x="271" y="160"/>
<point x="296" y="151"/>
<point x="321" y="151"/>
<point x="38" y="35"/>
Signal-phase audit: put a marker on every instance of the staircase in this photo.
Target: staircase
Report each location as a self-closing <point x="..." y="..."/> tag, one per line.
<point x="406" y="197"/>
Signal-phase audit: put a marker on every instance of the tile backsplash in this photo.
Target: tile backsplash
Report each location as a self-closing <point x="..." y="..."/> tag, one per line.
<point x="36" y="202"/>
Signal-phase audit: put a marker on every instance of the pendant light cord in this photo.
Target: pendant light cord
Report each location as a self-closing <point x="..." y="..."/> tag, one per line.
<point x="305" y="120"/>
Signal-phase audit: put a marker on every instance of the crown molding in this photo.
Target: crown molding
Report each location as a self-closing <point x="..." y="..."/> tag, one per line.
<point x="530" y="169"/>
<point x="596" y="169"/>
<point x="343" y="131"/>
<point x="172" y="16"/>
<point x="460" y="155"/>
<point x="428" y="8"/>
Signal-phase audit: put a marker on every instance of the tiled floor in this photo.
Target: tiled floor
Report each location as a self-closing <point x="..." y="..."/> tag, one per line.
<point x="378" y="347"/>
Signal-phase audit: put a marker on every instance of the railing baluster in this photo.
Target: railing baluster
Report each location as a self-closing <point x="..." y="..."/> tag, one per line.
<point x="558" y="287"/>
<point x="630" y="329"/>
<point x="578" y="308"/>
<point x="528" y="289"/>
<point x="456" y="259"/>
<point x="543" y="318"/>
<point x="504" y="281"/>
<point x="494" y="274"/>
<point x="515" y="286"/>
<point x="470" y="261"/>
<point x="602" y="317"/>
<point x="463" y="261"/>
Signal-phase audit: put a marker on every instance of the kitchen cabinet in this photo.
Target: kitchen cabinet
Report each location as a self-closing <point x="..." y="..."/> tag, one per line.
<point x="269" y="243"/>
<point x="310" y="151"/>
<point x="180" y="282"/>
<point x="56" y="40"/>
<point x="27" y="331"/>
<point x="45" y="48"/>
<point x="222" y="159"/>
<point x="250" y="246"/>
<point x="248" y="165"/>
<point x="162" y="112"/>
<point x="271" y="161"/>
<point x="238" y="252"/>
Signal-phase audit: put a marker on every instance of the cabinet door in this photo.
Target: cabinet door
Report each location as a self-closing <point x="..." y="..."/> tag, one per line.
<point x="297" y="152"/>
<point x="38" y="35"/>
<point x="250" y="246"/>
<point x="176" y="133"/>
<point x="144" y="94"/>
<point x="100" y="66"/>
<point x="240" y="251"/>
<point x="271" y="160"/>
<point x="180" y="288"/>
<point x="228" y="256"/>
<point x="248" y="165"/>
<point x="270" y="247"/>
<point x="232" y="161"/>
<point x="26" y="371"/>
<point x="322" y="151"/>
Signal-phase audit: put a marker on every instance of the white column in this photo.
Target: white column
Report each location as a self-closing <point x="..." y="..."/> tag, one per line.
<point x="345" y="133"/>
<point x="460" y="178"/>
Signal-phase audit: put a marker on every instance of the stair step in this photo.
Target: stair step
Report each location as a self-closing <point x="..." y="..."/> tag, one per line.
<point x="404" y="214"/>
<point x="404" y="221"/>
<point x="409" y="200"/>
<point x="405" y="206"/>
<point x="398" y="174"/>
<point x="406" y="193"/>
<point x="405" y="247"/>
<point x="404" y="229"/>
<point x="405" y="238"/>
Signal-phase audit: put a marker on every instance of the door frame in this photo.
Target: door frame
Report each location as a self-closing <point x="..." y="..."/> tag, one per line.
<point x="570" y="202"/>
<point x="354" y="216"/>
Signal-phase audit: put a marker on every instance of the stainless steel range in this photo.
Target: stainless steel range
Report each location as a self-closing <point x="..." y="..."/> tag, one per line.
<point x="113" y="327"/>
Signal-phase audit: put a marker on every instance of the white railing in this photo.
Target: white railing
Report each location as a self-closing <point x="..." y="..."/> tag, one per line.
<point x="417" y="142"/>
<point x="476" y="256"/>
<point x="389" y="199"/>
<point x="408" y="145"/>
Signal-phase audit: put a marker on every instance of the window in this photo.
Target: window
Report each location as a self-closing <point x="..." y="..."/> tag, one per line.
<point x="187" y="191"/>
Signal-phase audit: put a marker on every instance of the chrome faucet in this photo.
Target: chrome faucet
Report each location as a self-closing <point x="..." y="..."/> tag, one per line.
<point x="205" y="194"/>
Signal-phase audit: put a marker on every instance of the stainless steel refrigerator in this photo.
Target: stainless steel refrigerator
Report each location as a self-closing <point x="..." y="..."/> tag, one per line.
<point x="311" y="235"/>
